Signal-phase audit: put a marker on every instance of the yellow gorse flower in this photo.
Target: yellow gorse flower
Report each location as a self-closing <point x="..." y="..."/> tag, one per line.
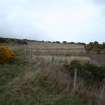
<point x="6" y="54"/>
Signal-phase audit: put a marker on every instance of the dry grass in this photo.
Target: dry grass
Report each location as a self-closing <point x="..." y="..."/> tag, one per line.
<point x="44" y="79"/>
<point x="49" y="83"/>
<point x="58" y="53"/>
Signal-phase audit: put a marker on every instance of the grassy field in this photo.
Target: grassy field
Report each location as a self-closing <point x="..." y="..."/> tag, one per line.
<point x="21" y="84"/>
<point x="45" y="79"/>
<point x="51" y="52"/>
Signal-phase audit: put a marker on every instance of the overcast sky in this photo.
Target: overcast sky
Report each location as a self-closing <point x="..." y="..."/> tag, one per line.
<point x="71" y="20"/>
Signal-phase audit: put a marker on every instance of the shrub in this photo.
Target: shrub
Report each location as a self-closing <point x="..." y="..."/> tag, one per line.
<point x="6" y="54"/>
<point x="90" y="73"/>
<point x="95" y="47"/>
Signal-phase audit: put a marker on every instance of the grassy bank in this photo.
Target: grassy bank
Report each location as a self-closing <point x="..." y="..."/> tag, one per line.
<point x="21" y="85"/>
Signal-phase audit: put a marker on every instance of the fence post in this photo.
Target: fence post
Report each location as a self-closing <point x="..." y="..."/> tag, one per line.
<point x="25" y="52"/>
<point x="75" y="79"/>
<point x="30" y="54"/>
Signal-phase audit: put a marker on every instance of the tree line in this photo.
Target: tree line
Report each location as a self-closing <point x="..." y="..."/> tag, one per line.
<point x="13" y="40"/>
<point x="95" y="46"/>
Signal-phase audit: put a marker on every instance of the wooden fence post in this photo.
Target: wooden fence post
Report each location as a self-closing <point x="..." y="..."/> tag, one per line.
<point x="25" y="52"/>
<point x="30" y="54"/>
<point x="75" y="80"/>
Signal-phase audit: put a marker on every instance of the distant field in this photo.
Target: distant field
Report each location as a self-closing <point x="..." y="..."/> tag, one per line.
<point x="52" y="52"/>
<point x="59" y="52"/>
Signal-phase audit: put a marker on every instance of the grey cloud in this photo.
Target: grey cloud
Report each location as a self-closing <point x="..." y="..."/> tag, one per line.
<point x="15" y="19"/>
<point x="102" y="2"/>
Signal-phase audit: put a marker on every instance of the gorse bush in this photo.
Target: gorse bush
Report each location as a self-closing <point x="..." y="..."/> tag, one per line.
<point x="95" y="46"/>
<point x="6" y="54"/>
